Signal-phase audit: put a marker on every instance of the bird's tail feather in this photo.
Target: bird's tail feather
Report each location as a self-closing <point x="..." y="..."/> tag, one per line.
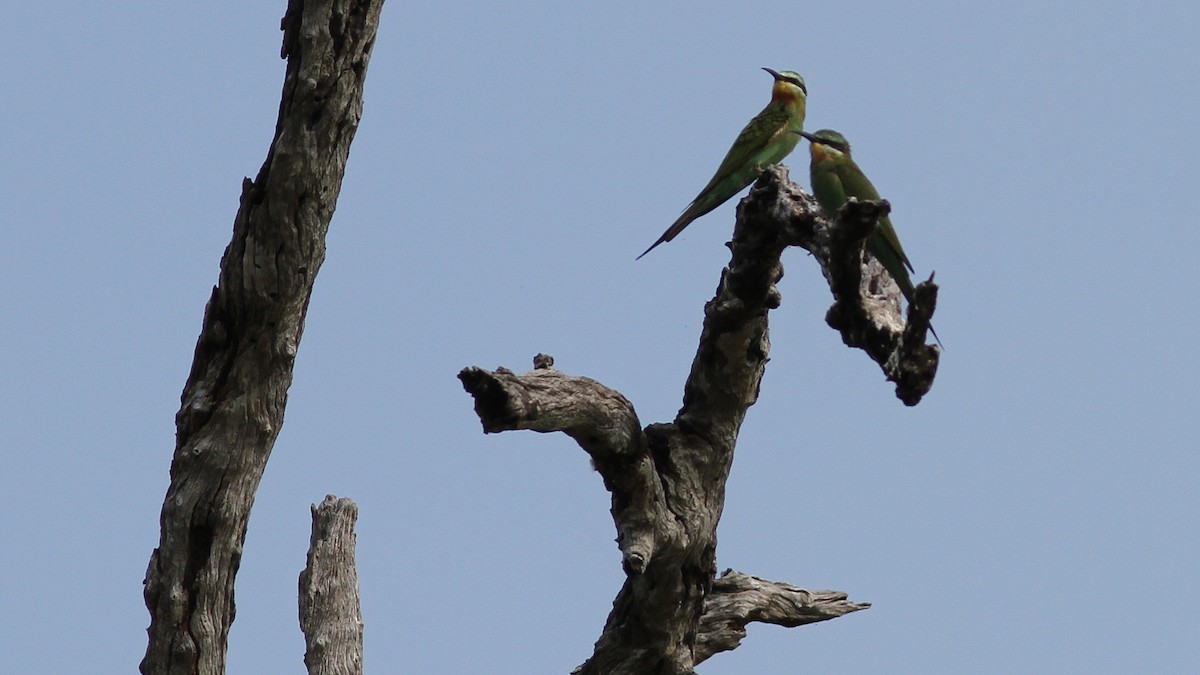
<point x="675" y="228"/>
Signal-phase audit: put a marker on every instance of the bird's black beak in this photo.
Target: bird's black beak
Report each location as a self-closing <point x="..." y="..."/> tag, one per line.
<point x="774" y="74"/>
<point x="810" y="137"/>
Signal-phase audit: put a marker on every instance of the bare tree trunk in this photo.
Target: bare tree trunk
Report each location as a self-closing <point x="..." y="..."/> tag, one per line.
<point x="234" y="399"/>
<point x="330" y="615"/>
<point x="668" y="481"/>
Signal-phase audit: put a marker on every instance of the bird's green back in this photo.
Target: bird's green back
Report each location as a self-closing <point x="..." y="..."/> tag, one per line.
<point x="836" y="178"/>
<point x="858" y="186"/>
<point x="767" y="139"/>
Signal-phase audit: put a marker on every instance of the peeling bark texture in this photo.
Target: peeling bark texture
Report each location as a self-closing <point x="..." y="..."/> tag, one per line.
<point x="330" y="615"/>
<point x="233" y="402"/>
<point x="737" y="599"/>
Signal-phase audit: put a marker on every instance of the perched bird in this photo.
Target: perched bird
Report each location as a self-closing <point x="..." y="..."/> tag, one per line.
<point x="835" y="178"/>
<point x="766" y="140"/>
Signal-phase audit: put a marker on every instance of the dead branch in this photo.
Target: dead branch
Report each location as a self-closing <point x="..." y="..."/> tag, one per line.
<point x="330" y="612"/>
<point x="738" y="599"/>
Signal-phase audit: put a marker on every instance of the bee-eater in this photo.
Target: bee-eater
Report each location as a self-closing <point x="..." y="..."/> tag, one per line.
<point x="766" y="140"/>
<point x="835" y="178"/>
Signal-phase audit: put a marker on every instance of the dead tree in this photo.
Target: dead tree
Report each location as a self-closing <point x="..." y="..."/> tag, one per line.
<point x="233" y="402"/>
<point x="668" y="480"/>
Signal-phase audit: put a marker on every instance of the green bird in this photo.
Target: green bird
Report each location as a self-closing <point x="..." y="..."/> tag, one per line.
<point x="766" y="140"/>
<point x="835" y="178"/>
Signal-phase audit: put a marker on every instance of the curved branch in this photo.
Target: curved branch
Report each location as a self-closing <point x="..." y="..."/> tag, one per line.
<point x="604" y="424"/>
<point x="546" y="400"/>
<point x="738" y="599"/>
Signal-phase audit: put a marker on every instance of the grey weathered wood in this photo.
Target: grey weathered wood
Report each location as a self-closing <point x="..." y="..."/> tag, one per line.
<point x="330" y="614"/>
<point x="668" y="480"/>
<point x="233" y="402"/>
<point x="604" y="424"/>
<point x="866" y="309"/>
<point x="737" y="599"/>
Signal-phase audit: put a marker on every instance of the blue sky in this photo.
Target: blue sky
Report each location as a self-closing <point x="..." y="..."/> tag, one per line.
<point x="1036" y="513"/>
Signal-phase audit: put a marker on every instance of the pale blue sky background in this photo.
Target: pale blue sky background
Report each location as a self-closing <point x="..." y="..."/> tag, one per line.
<point x="1037" y="513"/>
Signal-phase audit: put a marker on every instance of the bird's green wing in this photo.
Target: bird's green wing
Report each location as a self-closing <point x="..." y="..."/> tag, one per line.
<point x="827" y="188"/>
<point x="857" y="185"/>
<point x="738" y="168"/>
<point x="856" y="182"/>
<point x="764" y="129"/>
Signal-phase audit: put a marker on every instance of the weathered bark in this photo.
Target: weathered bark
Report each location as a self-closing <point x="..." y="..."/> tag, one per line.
<point x="737" y="599"/>
<point x="668" y="481"/>
<point x="330" y="615"/>
<point x="234" y="399"/>
<point x="866" y="309"/>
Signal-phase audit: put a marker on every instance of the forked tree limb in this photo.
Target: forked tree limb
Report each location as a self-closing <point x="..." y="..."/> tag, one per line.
<point x="671" y="614"/>
<point x="233" y="401"/>
<point x="668" y="482"/>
